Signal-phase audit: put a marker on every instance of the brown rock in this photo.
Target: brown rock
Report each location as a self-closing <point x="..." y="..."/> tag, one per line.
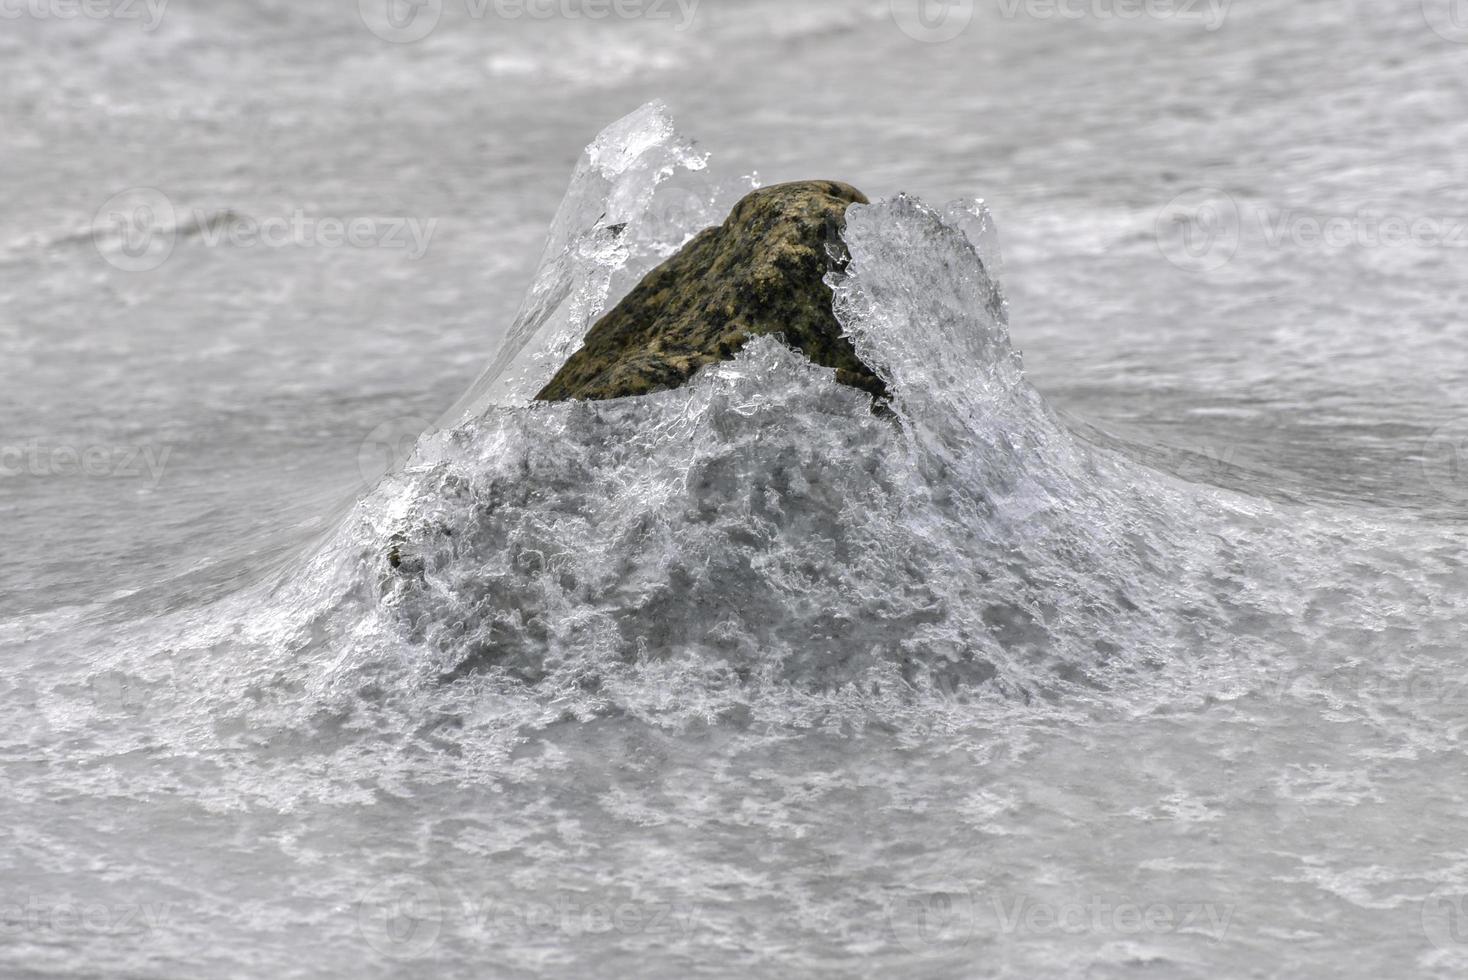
<point x="761" y="272"/>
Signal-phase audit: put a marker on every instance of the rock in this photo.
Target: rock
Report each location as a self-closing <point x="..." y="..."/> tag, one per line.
<point x="761" y="272"/>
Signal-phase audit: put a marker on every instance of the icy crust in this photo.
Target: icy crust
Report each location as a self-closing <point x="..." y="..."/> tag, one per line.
<point x="761" y="523"/>
<point x="738" y="520"/>
<point x="613" y="217"/>
<point x="764" y="523"/>
<point x="761" y="528"/>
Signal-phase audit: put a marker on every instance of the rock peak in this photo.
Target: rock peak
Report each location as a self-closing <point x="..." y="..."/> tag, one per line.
<point x="761" y="272"/>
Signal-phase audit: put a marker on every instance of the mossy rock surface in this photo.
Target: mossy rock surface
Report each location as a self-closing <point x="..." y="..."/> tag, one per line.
<point x="761" y="272"/>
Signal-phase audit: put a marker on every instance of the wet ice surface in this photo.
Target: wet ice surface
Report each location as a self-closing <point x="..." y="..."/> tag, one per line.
<point x="1142" y="660"/>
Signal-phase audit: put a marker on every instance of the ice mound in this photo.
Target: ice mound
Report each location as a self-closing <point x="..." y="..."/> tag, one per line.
<point x="760" y="523"/>
<point x="759" y="541"/>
